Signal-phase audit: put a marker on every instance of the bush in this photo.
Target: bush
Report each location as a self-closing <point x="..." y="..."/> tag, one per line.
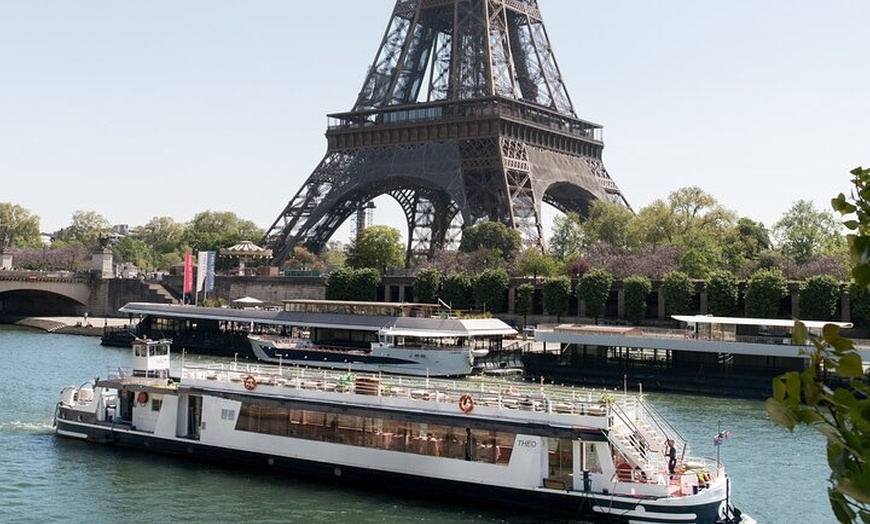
<point x="555" y="293"/>
<point x="818" y="298"/>
<point x="427" y="283"/>
<point x="722" y="294"/>
<point x="594" y="289"/>
<point x="523" y="301"/>
<point x="764" y="292"/>
<point x="678" y="291"/>
<point x="457" y="290"/>
<point x="637" y="289"/>
<point x="490" y="288"/>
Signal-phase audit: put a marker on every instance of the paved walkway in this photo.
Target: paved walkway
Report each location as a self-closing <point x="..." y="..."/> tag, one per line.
<point x="72" y="325"/>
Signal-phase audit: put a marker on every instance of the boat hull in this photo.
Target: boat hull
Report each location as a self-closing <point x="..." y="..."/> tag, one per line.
<point x="592" y="507"/>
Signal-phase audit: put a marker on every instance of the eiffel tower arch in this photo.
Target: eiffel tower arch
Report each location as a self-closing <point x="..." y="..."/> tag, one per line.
<point x="463" y="118"/>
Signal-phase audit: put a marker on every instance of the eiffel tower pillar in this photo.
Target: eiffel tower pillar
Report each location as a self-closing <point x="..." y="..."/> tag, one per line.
<point x="462" y="118"/>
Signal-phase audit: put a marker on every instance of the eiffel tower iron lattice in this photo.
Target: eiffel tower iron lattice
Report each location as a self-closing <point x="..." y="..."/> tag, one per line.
<point x="463" y="118"/>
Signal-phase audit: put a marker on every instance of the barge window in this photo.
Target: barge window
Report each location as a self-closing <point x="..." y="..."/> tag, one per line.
<point x="420" y="438"/>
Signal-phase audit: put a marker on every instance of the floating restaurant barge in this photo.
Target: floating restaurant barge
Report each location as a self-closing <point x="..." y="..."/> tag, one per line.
<point x="708" y="355"/>
<point x="406" y="338"/>
<point x="534" y="447"/>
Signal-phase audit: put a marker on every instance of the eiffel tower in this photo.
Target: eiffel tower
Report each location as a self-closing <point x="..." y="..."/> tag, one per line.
<point x="463" y="118"/>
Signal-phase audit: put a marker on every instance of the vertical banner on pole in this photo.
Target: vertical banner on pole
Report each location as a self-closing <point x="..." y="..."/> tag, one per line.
<point x="201" y="263"/>
<point x="188" y="276"/>
<point x="209" y="274"/>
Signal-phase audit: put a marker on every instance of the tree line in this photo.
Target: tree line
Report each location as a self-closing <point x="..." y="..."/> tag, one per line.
<point x="689" y="232"/>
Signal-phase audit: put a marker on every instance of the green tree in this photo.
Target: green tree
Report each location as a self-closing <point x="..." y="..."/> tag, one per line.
<point x="377" y="247"/>
<point x="764" y="292"/>
<point x="567" y="239"/>
<point x="744" y="242"/>
<point x="691" y="221"/>
<point x="490" y="288"/>
<point x="427" y="283"/>
<point x="86" y="229"/>
<point x="532" y="262"/>
<point x="491" y="235"/>
<point x="165" y="240"/>
<point x="637" y="289"/>
<point x="525" y="293"/>
<point x="678" y="290"/>
<point x="722" y="294"/>
<point x="608" y="222"/>
<point x="594" y="289"/>
<point x="18" y="227"/>
<point x="214" y="230"/>
<point x="457" y="289"/>
<point x="555" y="294"/>
<point x="134" y="251"/>
<point x="653" y="226"/>
<point x="804" y="232"/>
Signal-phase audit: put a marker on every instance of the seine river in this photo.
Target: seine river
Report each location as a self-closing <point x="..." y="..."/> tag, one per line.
<point x="777" y="477"/>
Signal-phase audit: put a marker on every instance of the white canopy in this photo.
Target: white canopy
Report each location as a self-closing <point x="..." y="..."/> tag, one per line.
<point x="247" y="300"/>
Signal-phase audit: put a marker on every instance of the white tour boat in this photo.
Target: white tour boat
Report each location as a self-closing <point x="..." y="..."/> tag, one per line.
<point x="589" y="455"/>
<point x="432" y="347"/>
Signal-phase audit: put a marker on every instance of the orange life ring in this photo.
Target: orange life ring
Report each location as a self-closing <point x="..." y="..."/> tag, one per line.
<point x="466" y="403"/>
<point x="250" y="383"/>
<point x="142" y="398"/>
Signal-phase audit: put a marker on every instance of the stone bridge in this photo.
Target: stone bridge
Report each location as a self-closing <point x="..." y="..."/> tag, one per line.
<point x="51" y="293"/>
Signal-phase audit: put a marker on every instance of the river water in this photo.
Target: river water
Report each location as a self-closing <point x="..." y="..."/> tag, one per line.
<point x="777" y="477"/>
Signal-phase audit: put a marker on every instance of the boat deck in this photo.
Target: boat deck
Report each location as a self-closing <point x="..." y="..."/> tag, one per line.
<point x="485" y="392"/>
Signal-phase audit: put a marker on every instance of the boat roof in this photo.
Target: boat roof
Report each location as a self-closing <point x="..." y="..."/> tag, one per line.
<point x="407" y="326"/>
<point x="771" y="322"/>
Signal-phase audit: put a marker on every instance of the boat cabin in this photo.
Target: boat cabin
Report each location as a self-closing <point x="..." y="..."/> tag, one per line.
<point x="151" y="358"/>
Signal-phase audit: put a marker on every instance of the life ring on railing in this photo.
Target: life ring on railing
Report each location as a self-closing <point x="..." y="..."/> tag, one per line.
<point x="466" y="403"/>
<point x="142" y="398"/>
<point x="250" y="383"/>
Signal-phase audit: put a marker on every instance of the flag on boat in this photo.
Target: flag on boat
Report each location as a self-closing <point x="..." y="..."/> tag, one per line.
<point x="721" y="437"/>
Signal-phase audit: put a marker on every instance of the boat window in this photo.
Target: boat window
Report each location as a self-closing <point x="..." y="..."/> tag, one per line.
<point x="591" y="456"/>
<point x="422" y="438"/>
<point x="156" y="404"/>
<point x="561" y="460"/>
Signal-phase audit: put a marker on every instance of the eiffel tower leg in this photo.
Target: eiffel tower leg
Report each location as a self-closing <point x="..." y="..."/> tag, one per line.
<point x="525" y="207"/>
<point x="291" y="224"/>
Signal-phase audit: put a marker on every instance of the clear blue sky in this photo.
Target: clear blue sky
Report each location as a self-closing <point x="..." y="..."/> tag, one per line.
<point x="167" y="108"/>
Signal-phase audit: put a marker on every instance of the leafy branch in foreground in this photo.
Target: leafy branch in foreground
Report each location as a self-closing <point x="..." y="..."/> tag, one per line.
<point x="841" y="414"/>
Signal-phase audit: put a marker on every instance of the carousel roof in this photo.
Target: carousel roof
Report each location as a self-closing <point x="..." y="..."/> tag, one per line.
<point x="247" y="248"/>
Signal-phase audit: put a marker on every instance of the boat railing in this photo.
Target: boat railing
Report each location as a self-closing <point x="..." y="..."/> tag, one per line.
<point x="640" y="433"/>
<point x="484" y="391"/>
<point x="664" y="427"/>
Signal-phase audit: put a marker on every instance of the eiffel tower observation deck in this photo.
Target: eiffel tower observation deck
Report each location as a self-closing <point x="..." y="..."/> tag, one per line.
<point x="463" y="118"/>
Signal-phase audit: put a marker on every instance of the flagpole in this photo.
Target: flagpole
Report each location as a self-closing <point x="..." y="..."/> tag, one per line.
<point x="719" y="447"/>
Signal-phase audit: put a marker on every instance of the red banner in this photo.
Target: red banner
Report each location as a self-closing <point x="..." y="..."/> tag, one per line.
<point x="188" y="273"/>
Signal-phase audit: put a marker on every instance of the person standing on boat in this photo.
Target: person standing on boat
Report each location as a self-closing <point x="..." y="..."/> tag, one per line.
<point x="672" y="456"/>
<point x="470" y="444"/>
